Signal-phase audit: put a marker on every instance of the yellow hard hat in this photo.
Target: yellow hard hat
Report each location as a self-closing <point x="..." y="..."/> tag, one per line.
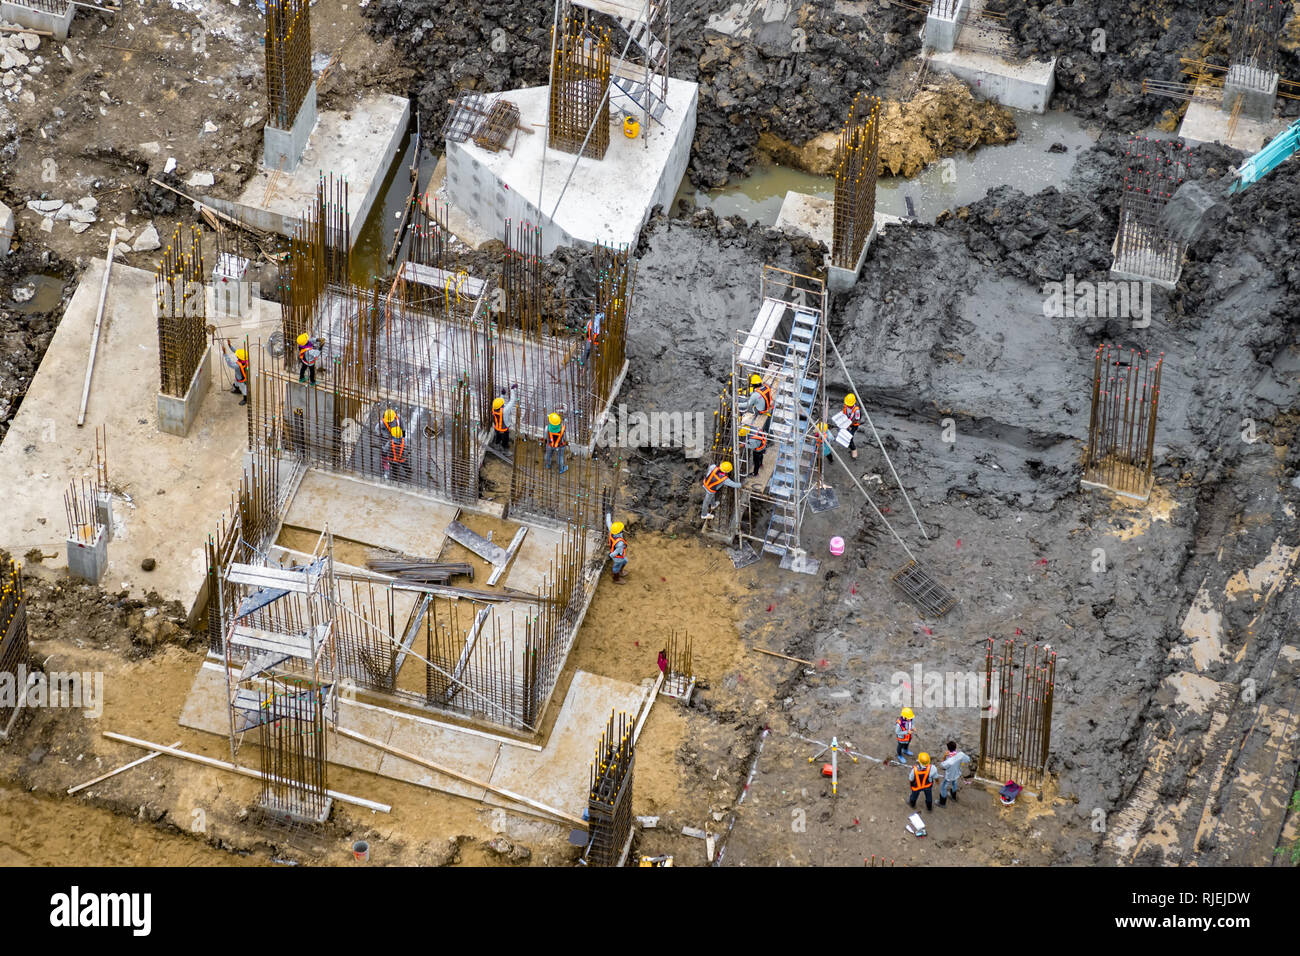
<point x="821" y="426"/>
<point x="923" y="758"/>
<point x="744" y="432"/>
<point x="906" y="713"/>
<point x="241" y="354"/>
<point x="389" y="416"/>
<point x="395" y="431"/>
<point x="755" y="380"/>
<point x="850" y="399"/>
<point x="616" y="527"/>
<point x="726" y="467"/>
<point x="554" y="418"/>
<point x="302" y="339"/>
<point x="498" y="402"/>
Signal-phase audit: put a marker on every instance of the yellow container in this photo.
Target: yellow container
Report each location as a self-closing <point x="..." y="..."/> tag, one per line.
<point x="631" y="127"/>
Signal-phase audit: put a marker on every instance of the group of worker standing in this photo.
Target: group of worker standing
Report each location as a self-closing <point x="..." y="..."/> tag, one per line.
<point x="754" y="441"/>
<point x="920" y="779"/>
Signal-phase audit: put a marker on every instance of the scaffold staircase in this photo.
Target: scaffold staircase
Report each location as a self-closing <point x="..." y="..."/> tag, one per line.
<point x="792" y="417"/>
<point x="640" y="80"/>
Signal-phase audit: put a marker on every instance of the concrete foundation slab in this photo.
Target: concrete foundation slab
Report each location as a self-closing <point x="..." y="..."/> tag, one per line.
<point x="171" y="490"/>
<point x="532" y="561"/>
<point x="282" y="148"/>
<point x="176" y="415"/>
<point x="33" y="19"/>
<point x="1205" y="122"/>
<point x="605" y="200"/>
<point x="358" y="146"/>
<point x="6" y="228"/>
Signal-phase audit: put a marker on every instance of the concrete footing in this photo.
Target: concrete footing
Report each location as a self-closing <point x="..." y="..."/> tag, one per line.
<point x="89" y="560"/>
<point x="358" y="146"/>
<point x="941" y="32"/>
<point x="176" y="415"/>
<point x="599" y="200"/>
<point x="1205" y="122"/>
<point x="814" y="217"/>
<point x="1025" y="85"/>
<point x="282" y="148"/>
<point x="33" y="19"/>
<point x="1255" y="89"/>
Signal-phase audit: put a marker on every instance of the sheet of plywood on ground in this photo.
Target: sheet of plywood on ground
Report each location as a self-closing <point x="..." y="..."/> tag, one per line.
<point x="176" y="485"/>
<point x="558" y="776"/>
<point x="367" y="513"/>
<point x="533" y="560"/>
<point x="465" y="753"/>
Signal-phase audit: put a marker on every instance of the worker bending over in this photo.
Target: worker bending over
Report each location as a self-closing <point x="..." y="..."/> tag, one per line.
<point x="308" y="356"/>
<point x="555" y="442"/>
<point x="503" y="419"/>
<point x="237" y="359"/>
<point x="756" y="442"/>
<point x="760" y="397"/>
<point x="617" y="548"/>
<point x="903" y="734"/>
<point x="397" y="461"/>
<point x="920" y="780"/>
<point x="387" y="422"/>
<point x="719" y="476"/>
<point x="853" y="412"/>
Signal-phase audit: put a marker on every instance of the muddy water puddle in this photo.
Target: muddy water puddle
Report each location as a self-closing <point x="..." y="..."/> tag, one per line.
<point x="958" y="180"/>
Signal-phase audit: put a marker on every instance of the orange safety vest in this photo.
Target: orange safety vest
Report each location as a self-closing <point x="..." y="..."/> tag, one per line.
<point x="614" y="540"/>
<point x="302" y="353"/>
<point x="389" y="426"/>
<point x="397" y="450"/>
<point x="853" y="413"/>
<point x="556" y="439"/>
<point x="499" y="419"/>
<point x="766" y="392"/>
<point x="761" y="438"/>
<point x="921" y="778"/>
<point x="591" y="330"/>
<point x="714" y="479"/>
<point x="904" y="734"/>
<point x="241" y="370"/>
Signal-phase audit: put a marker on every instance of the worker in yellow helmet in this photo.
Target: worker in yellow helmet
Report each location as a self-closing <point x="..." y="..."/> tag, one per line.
<point x="617" y="548"/>
<point x="760" y="397"/>
<point x="237" y="359"/>
<point x="397" y="460"/>
<point x="387" y="422"/>
<point x="921" y="781"/>
<point x="556" y="441"/>
<point x="756" y="442"/>
<point x="903" y="734"/>
<point x="308" y="356"/>
<point x="719" y="477"/>
<point x="853" y="412"/>
<point x="503" y="419"/>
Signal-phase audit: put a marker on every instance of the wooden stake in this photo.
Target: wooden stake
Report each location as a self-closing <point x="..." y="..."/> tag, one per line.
<point x="99" y="319"/>
<point x="797" y="660"/>
<point x="244" y="771"/>
<point x="114" y="773"/>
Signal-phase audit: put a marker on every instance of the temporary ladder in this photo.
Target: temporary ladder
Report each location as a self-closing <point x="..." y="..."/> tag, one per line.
<point x="639" y="79"/>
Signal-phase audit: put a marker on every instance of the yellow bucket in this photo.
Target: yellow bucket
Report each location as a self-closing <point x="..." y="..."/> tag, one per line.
<point x="631" y="127"/>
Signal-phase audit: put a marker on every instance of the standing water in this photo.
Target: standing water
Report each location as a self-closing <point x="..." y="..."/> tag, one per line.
<point x="948" y="183"/>
<point x="370" y="254"/>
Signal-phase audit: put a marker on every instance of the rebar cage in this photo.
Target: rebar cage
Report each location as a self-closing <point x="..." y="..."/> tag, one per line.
<point x="578" y="119"/>
<point x="15" y="649"/>
<point x="857" y="167"/>
<point x="1016" y="724"/>
<point x="1119" y="454"/>
<point x="1144" y="246"/>
<point x="288" y="60"/>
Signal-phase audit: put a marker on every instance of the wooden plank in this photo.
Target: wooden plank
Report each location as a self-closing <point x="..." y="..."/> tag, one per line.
<point x="242" y="771"/>
<point x="470" y="641"/>
<point x="99" y="322"/>
<point x="281" y="579"/>
<point x="491" y="553"/>
<point x="113" y="773"/>
<point x="649" y="702"/>
<point x="765" y="325"/>
<point x="295" y="645"/>
<point x="797" y="660"/>
<point x="499" y="791"/>
<point x="437" y="278"/>
<point x="510" y="555"/>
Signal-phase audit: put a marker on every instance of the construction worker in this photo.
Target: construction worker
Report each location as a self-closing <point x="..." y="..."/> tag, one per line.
<point x="308" y="356"/>
<point x="760" y="397"/>
<point x="719" y="476"/>
<point x="397" y="461"/>
<point x="953" y="763"/>
<point x="387" y="422"/>
<point x="821" y="434"/>
<point x="920" y="779"/>
<point x="555" y="441"/>
<point x="593" y="333"/>
<point x="237" y="359"/>
<point x="756" y="442"/>
<point x="903" y="734"/>
<point x="853" y="412"/>
<point x="503" y="419"/>
<point x="617" y="548"/>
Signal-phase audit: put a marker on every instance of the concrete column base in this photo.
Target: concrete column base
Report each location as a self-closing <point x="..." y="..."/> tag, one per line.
<point x="282" y="148"/>
<point x="33" y="19"/>
<point x="176" y="415"/>
<point x="1255" y="89"/>
<point x="88" y="561"/>
<point x="104" y="512"/>
<point x="941" y="32"/>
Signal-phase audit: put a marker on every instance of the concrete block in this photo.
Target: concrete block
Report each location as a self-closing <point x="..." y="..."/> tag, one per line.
<point x="1025" y="85"/>
<point x="1255" y="89"/>
<point x="88" y="561"/>
<point x="282" y="148"/>
<point x="941" y="31"/>
<point x="232" y="292"/>
<point x="33" y="19"/>
<point x="6" y="228"/>
<point x="176" y="415"/>
<point x="104" y="512"/>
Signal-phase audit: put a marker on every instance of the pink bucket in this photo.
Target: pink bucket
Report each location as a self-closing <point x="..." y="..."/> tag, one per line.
<point x="837" y="546"/>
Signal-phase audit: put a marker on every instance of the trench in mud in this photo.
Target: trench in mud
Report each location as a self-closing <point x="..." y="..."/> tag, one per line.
<point x="951" y="182"/>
